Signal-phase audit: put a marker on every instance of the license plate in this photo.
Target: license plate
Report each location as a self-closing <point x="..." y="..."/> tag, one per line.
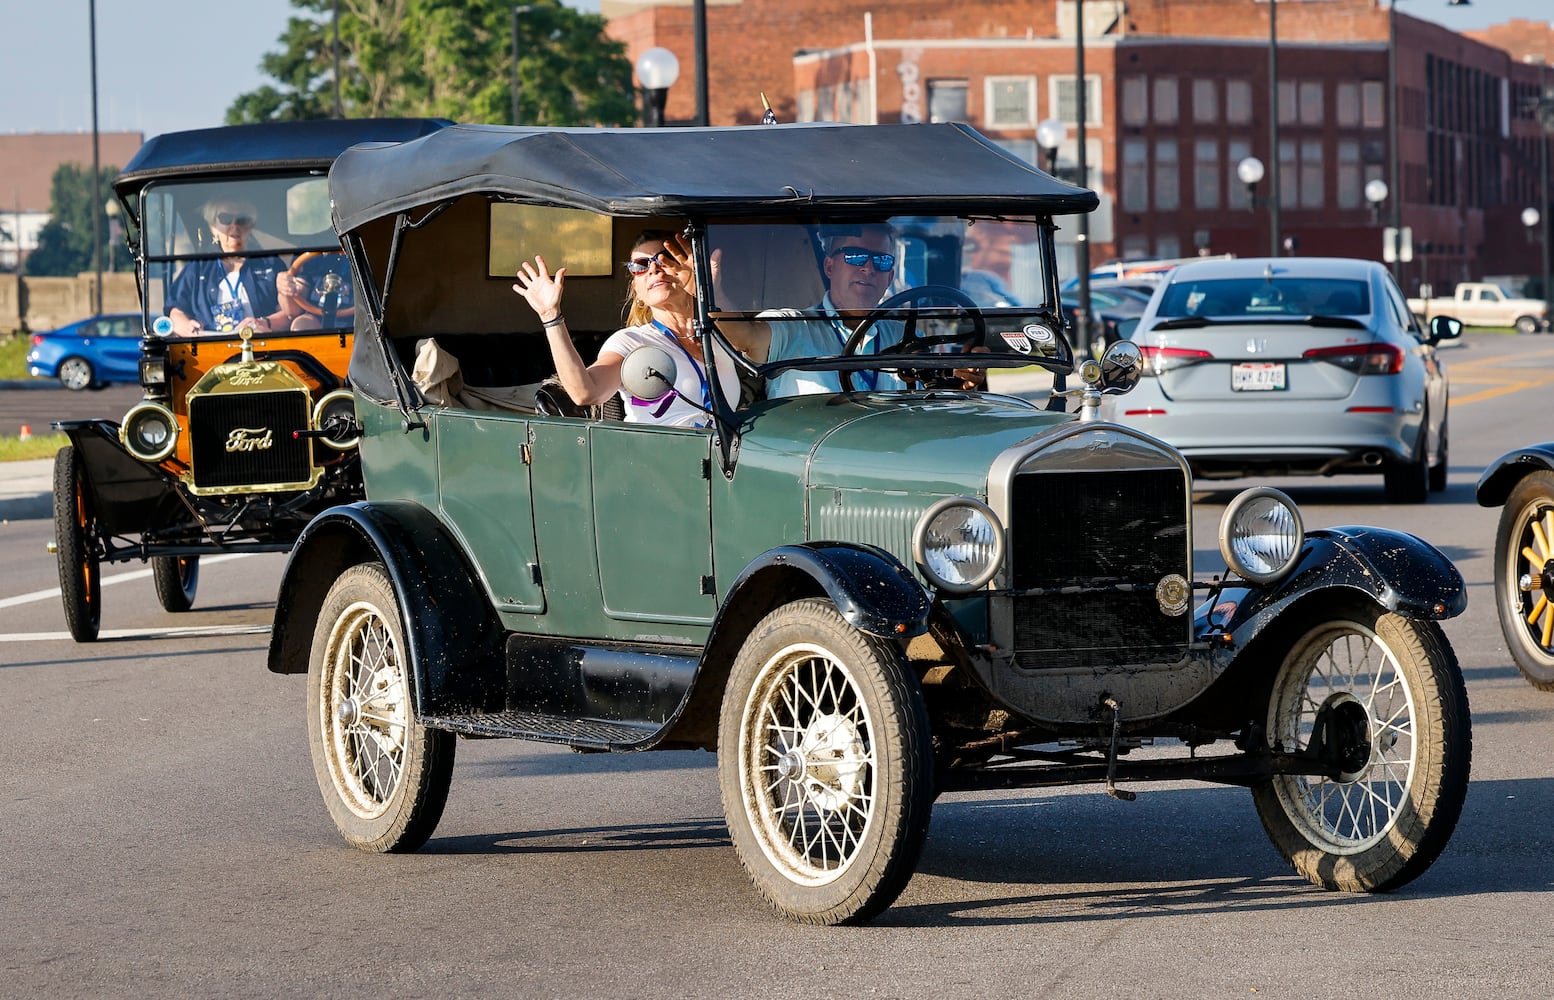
<point x="1260" y="376"/>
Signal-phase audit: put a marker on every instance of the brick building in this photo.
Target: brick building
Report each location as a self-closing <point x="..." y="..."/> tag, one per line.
<point x="1177" y="94"/>
<point x="27" y="164"/>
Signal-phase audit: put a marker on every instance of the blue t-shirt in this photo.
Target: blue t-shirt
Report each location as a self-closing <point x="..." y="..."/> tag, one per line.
<point x="823" y="336"/>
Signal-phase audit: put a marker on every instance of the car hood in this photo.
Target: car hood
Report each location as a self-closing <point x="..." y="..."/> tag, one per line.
<point x="871" y="440"/>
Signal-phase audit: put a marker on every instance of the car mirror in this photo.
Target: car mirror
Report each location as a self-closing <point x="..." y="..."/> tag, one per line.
<point x="648" y="373"/>
<point x="1444" y="328"/>
<point x="1121" y="366"/>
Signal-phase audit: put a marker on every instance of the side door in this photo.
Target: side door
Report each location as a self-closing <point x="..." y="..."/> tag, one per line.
<point x="120" y="346"/>
<point x="483" y="491"/>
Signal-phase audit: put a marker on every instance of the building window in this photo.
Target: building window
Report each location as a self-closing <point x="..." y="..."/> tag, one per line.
<point x="946" y="100"/>
<point x="1011" y="101"/>
<point x="1346" y="100"/>
<point x="1286" y="102"/>
<point x="1205" y="101"/>
<point x="1350" y="193"/>
<point x="1135" y="101"/>
<point x="1168" y="177"/>
<point x="1238" y="102"/>
<point x="1168" y="247"/>
<point x="1312" y="194"/>
<point x="1206" y="174"/>
<point x="1311" y="102"/>
<point x="1234" y="152"/>
<point x="1372" y="114"/>
<point x="1135" y="175"/>
<point x="1165" y="100"/>
<point x="1065" y="99"/>
<point x="1289" y="183"/>
<point x="1025" y="149"/>
<point x="806" y="105"/>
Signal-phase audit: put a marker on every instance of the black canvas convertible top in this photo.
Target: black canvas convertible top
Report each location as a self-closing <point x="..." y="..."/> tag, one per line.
<point x="745" y="170"/>
<point x="267" y="146"/>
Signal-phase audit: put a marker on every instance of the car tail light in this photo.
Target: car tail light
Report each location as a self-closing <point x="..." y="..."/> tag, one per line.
<point x="37" y="339"/>
<point x="1362" y="359"/>
<point x="1164" y="359"/>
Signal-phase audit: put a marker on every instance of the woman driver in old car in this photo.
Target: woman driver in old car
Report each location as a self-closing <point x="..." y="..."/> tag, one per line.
<point x="226" y="294"/>
<point x="660" y="310"/>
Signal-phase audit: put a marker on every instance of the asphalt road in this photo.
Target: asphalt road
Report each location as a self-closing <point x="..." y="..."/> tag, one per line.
<point x="164" y="833"/>
<point x="35" y="403"/>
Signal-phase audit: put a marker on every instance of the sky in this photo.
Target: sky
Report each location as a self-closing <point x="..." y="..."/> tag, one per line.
<point x="167" y="65"/>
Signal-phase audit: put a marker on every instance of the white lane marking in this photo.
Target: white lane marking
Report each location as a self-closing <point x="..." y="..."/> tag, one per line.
<point x="107" y="581"/>
<point x="143" y="633"/>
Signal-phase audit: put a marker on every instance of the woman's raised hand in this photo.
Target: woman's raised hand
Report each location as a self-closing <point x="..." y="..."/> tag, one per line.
<point x="540" y="288"/>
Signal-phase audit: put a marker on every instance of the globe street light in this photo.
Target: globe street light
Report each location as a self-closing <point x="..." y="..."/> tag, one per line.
<point x="1250" y="172"/>
<point x="1051" y="134"/>
<point x="1530" y="217"/>
<point x="657" y="70"/>
<point x="1375" y="194"/>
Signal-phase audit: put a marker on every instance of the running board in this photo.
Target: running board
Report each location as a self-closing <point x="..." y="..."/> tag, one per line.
<point x="583" y="734"/>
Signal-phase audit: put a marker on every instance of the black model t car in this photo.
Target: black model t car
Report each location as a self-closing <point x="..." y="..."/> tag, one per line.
<point x="860" y="599"/>
<point x="246" y="428"/>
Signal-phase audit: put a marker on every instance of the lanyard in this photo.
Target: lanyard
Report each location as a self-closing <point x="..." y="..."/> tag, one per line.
<point x="866" y="379"/>
<point x="701" y="375"/>
<point x="234" y="287"/>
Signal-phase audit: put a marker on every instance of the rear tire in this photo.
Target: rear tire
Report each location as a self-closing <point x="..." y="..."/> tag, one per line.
<point x="76" y="373"/>
<point x="176" y="579"/>
<point x="384" y="778"/>
<point x="1439" y="471"/>
<point x="1527" y="324"/>
<point x="75" y="542"/>
<point x="1409" y="482"/>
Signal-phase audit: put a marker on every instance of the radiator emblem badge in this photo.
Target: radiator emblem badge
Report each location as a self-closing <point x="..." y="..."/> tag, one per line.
<point x="250" y="439"/>
<point x="1171" y="594"/>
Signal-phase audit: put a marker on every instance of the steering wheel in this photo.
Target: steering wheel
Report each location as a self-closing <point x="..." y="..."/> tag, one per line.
<point x="912" y="342"/>
<point x="295" y="270"/>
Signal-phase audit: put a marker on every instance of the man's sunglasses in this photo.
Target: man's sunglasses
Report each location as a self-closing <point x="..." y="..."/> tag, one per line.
<point x="233" y="219"/>
<point x="859" y="256"/>
<point x="640" y="265"/>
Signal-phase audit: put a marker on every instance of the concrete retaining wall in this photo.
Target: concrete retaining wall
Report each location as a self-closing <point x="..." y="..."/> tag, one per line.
<point x="32" y="303"/>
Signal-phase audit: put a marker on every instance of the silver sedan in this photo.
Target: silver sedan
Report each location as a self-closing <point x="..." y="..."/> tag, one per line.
<point x="1293" y="366"/>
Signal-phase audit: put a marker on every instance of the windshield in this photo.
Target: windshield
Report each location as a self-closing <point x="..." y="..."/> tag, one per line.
<point x="828" y="296"/>
<point x="260" y="252"/>
<point x="1263" y="298"/>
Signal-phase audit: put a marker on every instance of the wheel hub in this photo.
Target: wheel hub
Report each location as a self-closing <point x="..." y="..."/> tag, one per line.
<point x="1344" y="736"/>
<point x="348" y="712"/>
<point x="829" y="761"/>
<point x="790" y="766"/>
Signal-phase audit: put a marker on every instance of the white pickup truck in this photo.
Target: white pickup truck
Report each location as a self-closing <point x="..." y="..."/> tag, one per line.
<point x="1481" y="303"/>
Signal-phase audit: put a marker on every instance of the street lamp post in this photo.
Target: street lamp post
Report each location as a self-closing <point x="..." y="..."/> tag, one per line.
<point x="1050" y="134"/>
<point x="97" y="178"/>
<point x="1274" y="195"/>
<point x="111" y="209"/>
<point x="657" y="71"/>
<point x="1546" y="120"/>
<point x="1082" y="233"/>
<point x="1250" y="172"/>
<point x="518" y="10"/>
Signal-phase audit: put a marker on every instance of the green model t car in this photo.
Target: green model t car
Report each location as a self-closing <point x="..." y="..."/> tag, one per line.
<point x="861" y="598"/>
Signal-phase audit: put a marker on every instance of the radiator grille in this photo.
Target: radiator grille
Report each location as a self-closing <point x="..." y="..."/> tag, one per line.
<point x="257" y="427"/>
<point x="1117" y="529"/>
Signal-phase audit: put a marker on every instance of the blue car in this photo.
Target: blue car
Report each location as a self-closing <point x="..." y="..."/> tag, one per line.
<point x="89" y="354"/>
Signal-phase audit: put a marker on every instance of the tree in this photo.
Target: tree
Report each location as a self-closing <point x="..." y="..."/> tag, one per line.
<point x="445" y="58"/>
<point x="65" y="241"/>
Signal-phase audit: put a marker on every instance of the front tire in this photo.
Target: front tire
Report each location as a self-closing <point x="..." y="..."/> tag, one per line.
<point x="75" y="544"/>
<point x="1524" y="547"/>
<point x="384" y="778"/>
<point x="176" y="579"/>
<point x="825" y="766"/>
<point x="1382" y="697"/>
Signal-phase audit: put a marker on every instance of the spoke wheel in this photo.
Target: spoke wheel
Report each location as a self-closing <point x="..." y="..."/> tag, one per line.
<point x="1524" y="577"/>
<point x="384" y="778"/>
<point x="77" y="374"/>
<point x="176" y="579"/>
<point x="75" y="541"/>
<point x="1381" y="699"/>
<point x="824" y="765"/>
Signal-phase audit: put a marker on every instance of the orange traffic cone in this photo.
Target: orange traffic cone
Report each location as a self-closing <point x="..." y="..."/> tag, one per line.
<point x="26" y="433"/>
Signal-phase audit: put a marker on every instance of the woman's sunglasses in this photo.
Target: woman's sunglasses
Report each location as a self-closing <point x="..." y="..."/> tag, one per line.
<point x="859" y="256"/>
<point x="640" y="265"/>
<point x="233" y="219"/>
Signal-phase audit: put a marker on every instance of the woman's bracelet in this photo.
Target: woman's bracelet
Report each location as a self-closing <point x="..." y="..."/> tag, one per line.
<point x="558" y="321"/>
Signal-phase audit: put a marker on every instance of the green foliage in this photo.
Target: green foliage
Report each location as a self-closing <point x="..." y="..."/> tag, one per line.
<point x="445" y="58"/>
<point x="14" y="449"/>
<point x="65" y="241"/>
<point x="13" y="355"/>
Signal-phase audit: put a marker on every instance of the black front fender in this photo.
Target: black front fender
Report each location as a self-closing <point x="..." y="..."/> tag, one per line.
<point x="1398" y="571"/>
<point x="453" y="637"/>
<point x="1497" y="482"/>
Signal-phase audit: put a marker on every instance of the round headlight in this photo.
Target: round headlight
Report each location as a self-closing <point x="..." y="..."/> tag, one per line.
<point x="1261" y="534"/>
<point x="335" y="415"/>
<point x="958" y="544"/>
<point x="149" y="432"/>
